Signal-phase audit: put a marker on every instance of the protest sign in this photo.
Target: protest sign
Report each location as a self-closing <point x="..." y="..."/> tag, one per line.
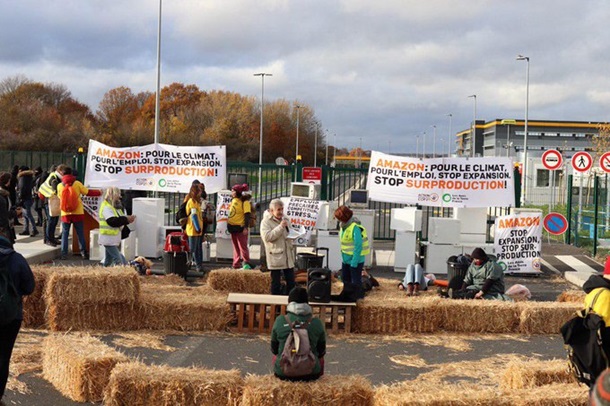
<point x="303" y="215"/>
<point x="518" y="241"/>
<point x="223" y="202"/>
<point x="441" y="182"/>
<point x="92" y="204"/>
<point x="155" y="167"/>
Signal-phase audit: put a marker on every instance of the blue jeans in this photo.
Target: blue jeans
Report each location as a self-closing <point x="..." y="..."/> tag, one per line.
<point x="195" y="246"/>
<point x="276" y="280"/>
<point x="415" y="274"/>
<point x="51" y="224"/>
<point x="353" y="276"/>
<point x="113" y="256"/>
<point x="29" y="217"/>
<point x="79" y="228"/>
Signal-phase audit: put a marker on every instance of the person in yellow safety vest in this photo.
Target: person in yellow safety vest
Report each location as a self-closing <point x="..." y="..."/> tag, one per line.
<point x="46" y="190"/>
<point x="112" y="219"/>
<point x="354" y="247"/>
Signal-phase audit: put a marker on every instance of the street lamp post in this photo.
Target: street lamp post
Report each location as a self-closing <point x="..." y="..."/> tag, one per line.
<point x="260" y="141"/>
<point x="158" y="95"/>
<point x="315" y="148"/>
<point x="474" y="125"/>
<point x="296" y="158"/>
<point x="450" y="135"/>
<point x="434" y="142"/>
<point x="527" y="100"/>
<point x="423" y="150"/>
<point x="326" y="155"/>
<point x="335" y="150"/>
<point x="417" y="146"/>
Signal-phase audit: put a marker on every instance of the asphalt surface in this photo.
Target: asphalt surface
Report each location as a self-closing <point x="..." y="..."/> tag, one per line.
<point x="368" y="355"/>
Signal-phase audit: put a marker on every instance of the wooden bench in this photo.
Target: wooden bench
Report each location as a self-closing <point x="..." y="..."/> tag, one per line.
<point x="257" y="313"/>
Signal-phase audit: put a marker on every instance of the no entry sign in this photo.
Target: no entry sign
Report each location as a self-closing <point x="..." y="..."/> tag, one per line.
<point x="604" y="162"/>
<point x="582" y="161"/>
<point x="552" y="159"/>
<point x="555" y="223"/>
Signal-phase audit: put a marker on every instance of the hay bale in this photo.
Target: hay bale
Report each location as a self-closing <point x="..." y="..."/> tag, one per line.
<point x="93" y="317"/>
<point x="183" y="309"/>
<point x="545" y="317"/>
<point x="79" y="366"/>
<point x="138" y="384"/>
<point x="240" y="281"/>
<point x="421" y="392"/>
<point x="34" y="306"/>
<point x="479" y="316"/>
<point x="534" y="373"/>
<point x="560" y="394"/>
<point x="572" y="295"/>
<point x="419" y="316"/>
<point x="93" y="285"/>
<point x="336" y="390"/>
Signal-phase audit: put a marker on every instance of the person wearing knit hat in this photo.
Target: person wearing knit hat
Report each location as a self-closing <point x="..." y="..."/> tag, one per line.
<point x="484" y="279"/>
<point x="240" y="211"/>
<point x="597" y="288"/>
<point x="298" y="311"/>
<point x="354" y="248"/>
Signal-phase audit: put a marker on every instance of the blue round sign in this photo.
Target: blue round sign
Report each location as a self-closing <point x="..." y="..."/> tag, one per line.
<point x="555" y="223"/>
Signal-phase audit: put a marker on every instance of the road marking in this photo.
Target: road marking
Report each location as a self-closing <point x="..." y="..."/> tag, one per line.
<point x="551" y="267"/>
<point x="575" y="264"/>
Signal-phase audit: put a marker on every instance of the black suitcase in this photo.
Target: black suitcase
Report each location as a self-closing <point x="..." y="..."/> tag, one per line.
<point x="175" y="262"/>
<point x="319" y="281"/>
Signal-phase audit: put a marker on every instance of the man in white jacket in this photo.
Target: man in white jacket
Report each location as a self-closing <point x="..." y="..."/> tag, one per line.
<point x="278" y="248"/>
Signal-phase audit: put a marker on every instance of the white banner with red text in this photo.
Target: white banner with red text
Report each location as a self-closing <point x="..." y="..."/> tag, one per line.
<point x="441" y="182"/>
<point x="303" y="215"/>
<point x="518" y="242"/>
<point x="156" y="167"/>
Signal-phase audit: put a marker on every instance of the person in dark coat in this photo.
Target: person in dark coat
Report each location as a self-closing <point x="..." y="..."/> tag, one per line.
<point x="8" y="212"/>
<point x="23" y="280"/>
<point x="25" y="184"/>
<point x="12" y="189"/>
<point x="39" y="177"/>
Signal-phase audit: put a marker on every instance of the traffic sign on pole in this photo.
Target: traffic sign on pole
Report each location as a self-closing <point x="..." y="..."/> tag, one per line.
<point x="555" y="223"/>
<point x="604" y="162"/>
<point x="582" y="161"/>
<point x="552" y="159"/>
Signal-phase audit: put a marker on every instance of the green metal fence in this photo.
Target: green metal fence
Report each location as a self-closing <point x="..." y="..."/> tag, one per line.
<point x="44" y="159"/>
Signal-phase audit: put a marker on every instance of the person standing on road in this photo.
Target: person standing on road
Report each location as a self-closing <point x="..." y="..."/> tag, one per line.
<point x="8" y="212"/>
<point x="240" y="211"/>
<point x="22" y="280"/>
<point x="354" y="248"/>
<point x="25" y="184"/>
<point x="112" y="219"/>
<point x="278" y="248"/>
<point x="46" y="190"/>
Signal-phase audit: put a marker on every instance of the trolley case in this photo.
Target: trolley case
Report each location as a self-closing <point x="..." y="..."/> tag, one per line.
<point x="175" y="255"/>
<point x="319" y="281"/>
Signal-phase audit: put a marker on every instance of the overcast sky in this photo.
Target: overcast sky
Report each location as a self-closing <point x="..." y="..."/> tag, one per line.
<point x="378" y="72"/>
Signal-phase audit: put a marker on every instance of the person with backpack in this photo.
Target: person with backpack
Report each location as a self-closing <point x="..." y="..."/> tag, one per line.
<point x="302" y="359"/>
<point x="597" y="288"/>
<point x="72" y="211"/>
<point x="25" y="184"/>
<point x="16" y="280"/>
<point x="354" y="248"/>
<point x="47" y="191"/>
<point x="279" y="252"/>
<point x="194" y="225"/>
<point x="112" y="219"/>
<point x="240" y="212"/>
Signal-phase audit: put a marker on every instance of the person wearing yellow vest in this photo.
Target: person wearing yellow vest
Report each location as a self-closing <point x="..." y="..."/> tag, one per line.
<point x="46" y="190"/>
<point x="112" y="219"/>
<point x="354" y="247"/>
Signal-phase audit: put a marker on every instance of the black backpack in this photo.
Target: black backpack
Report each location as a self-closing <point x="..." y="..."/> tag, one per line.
<point x="9" y="298"/>
<point x="582" y="336"/>
<point x="181" y="216"/>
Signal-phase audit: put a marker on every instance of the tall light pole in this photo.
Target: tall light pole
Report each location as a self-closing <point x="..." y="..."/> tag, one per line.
<point x="474" y="125"/>
<point x="158" y="95"/>
<point x="335" y="150"/>
<point x="434" y="142"/>
<point x="326" y="139"/>
<point x="527" y="101"/>
<point x="315" y="148"/>
<point x="260" y="141"/>
<point x="450" y="134"/>
<point x="296" y="158"/>
<point x="423" y="150"/>
<point x="417" y="146"/>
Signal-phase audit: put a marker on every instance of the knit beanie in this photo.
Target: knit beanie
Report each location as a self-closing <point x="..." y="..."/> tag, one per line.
<point x="478" y="253"/>
<point x="298" y="295"/>
<point x="343" y="214"/>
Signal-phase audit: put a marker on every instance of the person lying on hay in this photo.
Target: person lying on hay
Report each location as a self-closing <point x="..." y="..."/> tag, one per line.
<point x="415" y="280"/>
<point x="484" y="280"/>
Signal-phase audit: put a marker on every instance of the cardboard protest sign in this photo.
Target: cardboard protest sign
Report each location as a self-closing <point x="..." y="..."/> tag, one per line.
<point x="518" y="241"/>
<point x="156" y="167"/>
<point x="441" y="182"/>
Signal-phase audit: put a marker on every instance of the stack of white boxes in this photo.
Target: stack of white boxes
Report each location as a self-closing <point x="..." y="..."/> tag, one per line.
<point x="149" y="218"/>
<point x="443" y="242"/>
<point x="407" y="221"/>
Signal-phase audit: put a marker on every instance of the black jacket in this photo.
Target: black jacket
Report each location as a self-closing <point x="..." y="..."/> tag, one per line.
<point x="594" y="282"/>
<point x="20" y="271"/>
<point x="25" y="183"/>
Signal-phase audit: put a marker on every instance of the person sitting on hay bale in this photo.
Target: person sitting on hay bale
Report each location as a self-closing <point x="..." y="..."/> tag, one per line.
<point x="298" y="315"/>
<point x="415" y="280"/>
<point x="484" y="280"/>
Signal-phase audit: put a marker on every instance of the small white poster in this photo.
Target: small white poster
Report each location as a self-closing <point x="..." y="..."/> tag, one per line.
<point x="303" y="215"/>
<point x="518" y="242"/>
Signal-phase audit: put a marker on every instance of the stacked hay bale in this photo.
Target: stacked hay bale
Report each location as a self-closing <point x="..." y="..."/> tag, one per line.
<point x="479" y="316"/>
<point x="389" y="317"/>
<point x="138" y="384"/>
<point x="572" y="295"/>
<point x="336" y="390"/>
<point x="79" y="366"/>
<point x="545" y="317"/>
<point x="92" y="299"/>
<point x="240" y="281"/>
<point x="166" y="307"/>
<point x="34" y="306"/>
<point x="535" y="373"/>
